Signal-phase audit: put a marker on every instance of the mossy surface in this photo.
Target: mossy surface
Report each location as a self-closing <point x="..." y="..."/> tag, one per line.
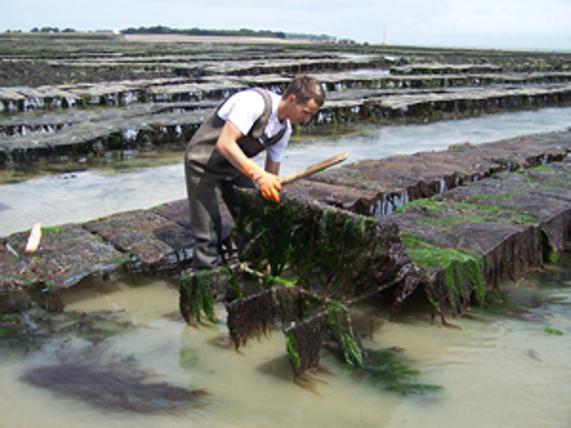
<point x="491" y="197"/>
<point x="460" y="269"/>
<point x="52" y="230"/>
<point x="447" y="212"/>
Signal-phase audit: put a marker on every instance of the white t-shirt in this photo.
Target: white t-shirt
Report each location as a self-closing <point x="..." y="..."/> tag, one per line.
<point x="244" y="108"/>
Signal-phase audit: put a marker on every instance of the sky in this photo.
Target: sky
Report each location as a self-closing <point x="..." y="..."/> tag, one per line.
<point x="513" y="24"/>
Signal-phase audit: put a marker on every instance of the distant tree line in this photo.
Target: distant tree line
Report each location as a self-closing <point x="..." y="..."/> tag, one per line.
<point x="316" y="37"/>
<point x="161" y="29"/>
<point x="246" y="32"/>
<point x="52" y="30"/>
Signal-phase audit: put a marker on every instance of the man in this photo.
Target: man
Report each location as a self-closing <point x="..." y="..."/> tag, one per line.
<point x="218" y="155"/>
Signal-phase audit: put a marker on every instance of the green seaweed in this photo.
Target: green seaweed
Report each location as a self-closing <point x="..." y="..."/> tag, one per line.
<point x="541" y="168"/>
<point x="445" y="212"/>
<point x="352" y="352"/>
<point x="9" y="325"/>
<point x="491" y="197"/>
<point x="384" y="369"/>
<point x="459" y="267"/>
<point x="84" y="101"/>
<point x="292" y="350"/>
<point x="553" y="331"/>
<point x="320" y="247"/>
<point x="338" y="321"/>
<point x="121" y="259"/>
<point x="188" y="358"/>
<point x="271" y="280"/>
<point x="197" y="289"/>
<point x="52" y="230"/>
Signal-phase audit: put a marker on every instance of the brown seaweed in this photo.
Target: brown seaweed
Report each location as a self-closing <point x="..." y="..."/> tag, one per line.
<point x="114" y="386"/>
<point x="250" y="316"/>
<point x="303" y="342"/>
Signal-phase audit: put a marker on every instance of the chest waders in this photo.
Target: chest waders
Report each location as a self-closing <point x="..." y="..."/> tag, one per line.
<point x="209" y="175"/>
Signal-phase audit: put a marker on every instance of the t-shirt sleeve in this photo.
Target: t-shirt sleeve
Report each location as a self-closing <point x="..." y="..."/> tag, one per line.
<point x="276" y="151"/>
<point x="243" y="109"/>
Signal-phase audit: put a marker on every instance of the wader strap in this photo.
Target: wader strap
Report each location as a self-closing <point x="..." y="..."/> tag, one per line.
<point x="257" y="130"/>
<point x="267" y="142"/>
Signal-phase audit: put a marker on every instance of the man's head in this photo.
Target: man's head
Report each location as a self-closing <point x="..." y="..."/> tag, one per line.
<point x="302" y="100"/>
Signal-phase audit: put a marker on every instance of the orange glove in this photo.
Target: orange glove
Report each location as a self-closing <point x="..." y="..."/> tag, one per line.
<point x="268" y="184"/>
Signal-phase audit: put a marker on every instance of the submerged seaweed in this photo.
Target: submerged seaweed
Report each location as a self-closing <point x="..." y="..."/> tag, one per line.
<point x="120" y="386"/>
<point x="196" y="295"/>
<point x="384" y="369"/>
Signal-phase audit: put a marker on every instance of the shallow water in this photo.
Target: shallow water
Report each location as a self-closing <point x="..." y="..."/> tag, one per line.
<point x="496" y="371"/>
<point x="83" y="196"/>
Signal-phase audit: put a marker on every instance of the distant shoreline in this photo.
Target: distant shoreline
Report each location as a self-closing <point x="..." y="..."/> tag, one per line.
<point x="170" y="38"/>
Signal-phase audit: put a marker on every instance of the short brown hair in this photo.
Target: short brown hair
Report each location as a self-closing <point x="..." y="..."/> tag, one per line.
<point x="305" y="88"/>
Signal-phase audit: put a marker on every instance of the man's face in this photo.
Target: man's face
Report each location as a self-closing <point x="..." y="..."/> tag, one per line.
<point x="301" y="112"/>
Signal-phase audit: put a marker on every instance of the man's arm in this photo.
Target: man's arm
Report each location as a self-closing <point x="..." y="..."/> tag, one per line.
<point x="268" y="183"/>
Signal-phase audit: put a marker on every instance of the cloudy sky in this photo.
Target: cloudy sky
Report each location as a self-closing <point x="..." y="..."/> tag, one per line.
<point x="521" y="24"/>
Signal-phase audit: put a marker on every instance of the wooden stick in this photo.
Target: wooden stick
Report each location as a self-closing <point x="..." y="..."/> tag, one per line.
<point x="315" y="168"/>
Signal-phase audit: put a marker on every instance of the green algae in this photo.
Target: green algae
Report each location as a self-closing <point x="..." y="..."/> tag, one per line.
<point x="541" y="168"/>
<point x="338" y="321"/>
<point x="497" y="303"/>
<point x="197" y="289"/>
<point x="352" y="352"/>
<point x="52" y="230"/>
<point x="552" y="331"/>
<point x="292" y="350"/>
<point x="9" y="325"/>
<point x="491" y="197"/>
<point x="387" y="370"/>
<point x="460" y="268"/>
<point x="188" y="358"/>
<point x="122" y="259"/>
<point x="321" y="247"/>
<point x="446" y="212"/>
<point x="545" y="176"/>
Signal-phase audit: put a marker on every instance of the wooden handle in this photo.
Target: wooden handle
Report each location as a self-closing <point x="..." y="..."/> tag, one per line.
<point x="315" y="168"/>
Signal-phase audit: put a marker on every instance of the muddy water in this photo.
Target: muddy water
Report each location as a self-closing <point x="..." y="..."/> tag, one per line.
<point x="498" y="371"/>
<point x="82" y="196"/>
